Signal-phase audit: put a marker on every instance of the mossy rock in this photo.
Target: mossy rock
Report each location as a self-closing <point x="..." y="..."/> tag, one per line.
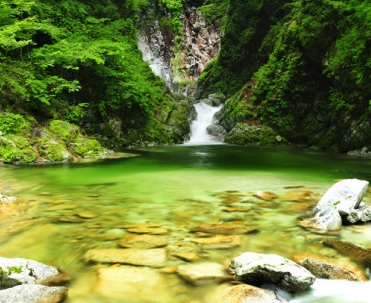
<point x="16" y="149"/>
<point x="244" y="134"/>
<point x="52" y="150"/>
<point x="87" y="147"/>
<point x="64" y="130"/>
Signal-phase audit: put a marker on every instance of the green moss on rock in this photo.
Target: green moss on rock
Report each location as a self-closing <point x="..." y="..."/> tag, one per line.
<point x="244" y="134"/>
<point x="16" y="149"/>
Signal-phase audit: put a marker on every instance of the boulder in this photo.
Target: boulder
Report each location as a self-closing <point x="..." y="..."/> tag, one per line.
<point x="26" y="281"/>
<point x="345" y="196"/>
<point x="343" y="201"/>
<point x="256" y="269"/>
<point x="202" y="273"/>
<point x="33" y="293"/>
<point x="28" y="271"/>
<point x="145" y="257"/>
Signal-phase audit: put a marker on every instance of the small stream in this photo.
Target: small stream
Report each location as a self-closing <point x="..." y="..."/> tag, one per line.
<point x="68" y="209"/>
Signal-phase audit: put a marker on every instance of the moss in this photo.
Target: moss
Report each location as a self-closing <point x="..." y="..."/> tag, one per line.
<point x="64" y="130"/>
<point x="16" y="149"/>
<point x="87" y="148"/>
<point x="52" y="150"/>
<point x="244" y="134"/>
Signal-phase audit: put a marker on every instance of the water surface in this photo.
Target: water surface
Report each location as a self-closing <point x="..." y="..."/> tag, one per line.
<point x="71" y="208"/>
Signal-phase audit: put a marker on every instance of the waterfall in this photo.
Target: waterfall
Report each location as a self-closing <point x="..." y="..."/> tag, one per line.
<point x="205" y="114"/>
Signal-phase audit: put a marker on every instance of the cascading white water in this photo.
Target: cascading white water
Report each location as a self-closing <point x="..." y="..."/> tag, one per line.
<point x="205" y="114"/>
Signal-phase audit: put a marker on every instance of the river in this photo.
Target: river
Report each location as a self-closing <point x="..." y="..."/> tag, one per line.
<point x="68" y="209"/>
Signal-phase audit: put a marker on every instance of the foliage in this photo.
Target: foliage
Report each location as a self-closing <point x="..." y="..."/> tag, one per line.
<point x="69" y="59"/>
<point x="13" y="123"/>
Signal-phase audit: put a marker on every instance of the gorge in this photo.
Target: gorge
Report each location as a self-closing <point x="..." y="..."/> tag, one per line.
<point x="167" y="137"/>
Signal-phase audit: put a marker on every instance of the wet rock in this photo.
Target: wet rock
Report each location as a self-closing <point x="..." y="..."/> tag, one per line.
<point x="70" y="219"/>
<point x="142" y="241"/>
<point x="299" y="196"/>
<point x="187" y="256"/>
<point x="255" y="269"/>
<point x="27" y="271"/>
<point x="355" y="252"/>
<point x="21" y="279"/>
<point x="344" y="196"/>
<point x="33" y="293"/>
<point x="266" y="196"/>
<point x="219" y="242"/>
<point x="121" y="283"/>
<point x="7" y="199"/>
<point x="324" y="220"/>
<point x="249" y="294"/>
<point x="328" y="269"/>
<point x="202" y="273"/>
<point x="225" y="229"/>
<point x="146" y="257"/>
<point x="342" y="201"/>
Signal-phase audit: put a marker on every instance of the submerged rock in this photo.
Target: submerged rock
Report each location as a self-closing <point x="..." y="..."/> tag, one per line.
<point x="121" y="283"/>
<point x="225" y="229"/>
<point x="249" y="294"/>
<point x="202" y="273"/>
<point x="146" y="257"/>
<point x="256" y="269"/>
<point x="328" y="269"/>
<point x="142" y="241"/>
<point x="219" y="242"/>
<point x="355" y="252"/>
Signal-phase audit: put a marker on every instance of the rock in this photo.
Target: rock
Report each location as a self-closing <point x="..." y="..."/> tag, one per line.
<point x="225" y="229"/>
<point x="217" y="131"/>
<point x="142" y="241"/>
<point x="28" y="271"/>
<point x="187" y="256"/>
<point x="255" y="269"/>
<point x="219" y="242"/>
<point x="342" y="201"/>
<point x="362" y="214"/>
<point x="146" y="257"/>
<point x="266" y="196"/>
<point x="344" y="196"/>
<point x="33" y="293"/>
<point x="328" y="269"/>
<point x="121" y="283"/>
<point x="245" y="134"/>
<point x="7" y="199"/>
<point x="250" y="294"/>
<point x="202" y="273"/>
<point x="355" y="252"/>
<point x="148" y="230"/>
<point x="325" y="220"/>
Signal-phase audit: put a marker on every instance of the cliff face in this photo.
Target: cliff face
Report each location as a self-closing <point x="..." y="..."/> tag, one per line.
<point x="179" y="60"/>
